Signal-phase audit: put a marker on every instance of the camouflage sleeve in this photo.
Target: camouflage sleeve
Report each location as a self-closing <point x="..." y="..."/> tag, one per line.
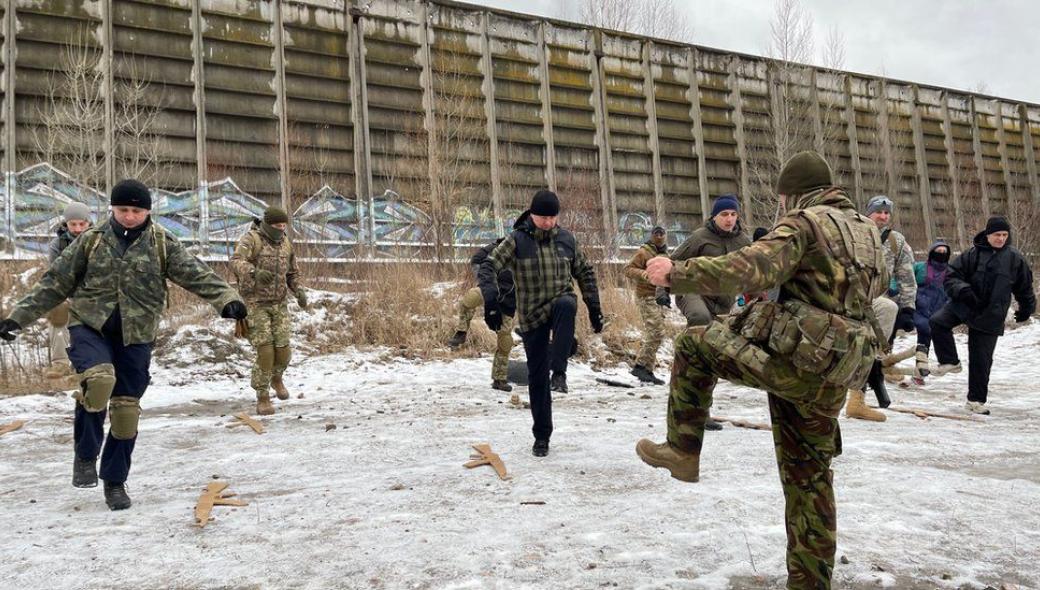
<point x="636" y="268"/>
<point x="905" y="277"/>
<point x="292" y="276"/>
<point x="242" y="259"/>
<point x="758" y="267"/>
<point x="57" y="284"/>
<point x="196" y="276"/>
<point x="501" y="257"/>
<point x="582" y="270"/>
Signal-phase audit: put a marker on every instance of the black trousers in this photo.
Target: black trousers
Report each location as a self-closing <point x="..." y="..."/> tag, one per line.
<point x="980" y="351"/>
<point x="541" y="357"/>
<point x="90" y="348"/>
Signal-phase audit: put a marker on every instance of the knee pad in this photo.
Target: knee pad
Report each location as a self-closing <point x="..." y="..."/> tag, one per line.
<point x="124" y="415"/>
<point x="282" y="354"/>
<point x="97" y="384"/>
<point x="265" y="357"/>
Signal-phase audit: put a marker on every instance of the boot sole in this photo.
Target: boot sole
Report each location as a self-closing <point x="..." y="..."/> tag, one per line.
<point x="81" y="484"/>
<point x="655" y="463"/>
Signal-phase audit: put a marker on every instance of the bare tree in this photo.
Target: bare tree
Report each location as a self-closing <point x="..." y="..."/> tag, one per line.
<point x="654" y="18"/>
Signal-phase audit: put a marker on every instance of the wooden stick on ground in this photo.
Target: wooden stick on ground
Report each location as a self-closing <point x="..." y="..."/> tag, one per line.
<point x="245" y="420"/>
<point x="743" y="423"/>
<point x="11" y="427"/>
<point x="213" y="496"/>
<point x="926" y="414"/>
<point x="485" y="456"/>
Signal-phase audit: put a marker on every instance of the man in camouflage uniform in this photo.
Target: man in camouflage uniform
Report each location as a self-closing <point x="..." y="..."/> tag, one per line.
<point x="805" y="350"/>
<point x="652" y="302"/>
<point x="545" y="260"/>
<point x="265" y="265"/>
<point x="467" y="307"/>
<point x="76" y="220"/>
<point x="116" y="277"/>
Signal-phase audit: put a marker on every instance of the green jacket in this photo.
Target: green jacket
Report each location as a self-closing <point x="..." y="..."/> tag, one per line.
<point x="96" y="278"/>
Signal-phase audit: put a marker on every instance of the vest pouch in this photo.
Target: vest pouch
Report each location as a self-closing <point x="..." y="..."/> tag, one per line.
<point x="730" y="344"/>
<point x="756" y="324"/>
<point x="853" y="364"/>
<point x="815" y="349"/>
<point x="786" y="334"/>
<point x="840" y="350"/>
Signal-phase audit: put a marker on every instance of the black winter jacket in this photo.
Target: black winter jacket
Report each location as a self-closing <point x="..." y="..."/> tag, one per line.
<point x="994" y="276"/>
<point x="506" y="289"/>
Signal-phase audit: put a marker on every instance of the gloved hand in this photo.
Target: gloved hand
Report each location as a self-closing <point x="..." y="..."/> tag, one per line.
<point x="6" y="329"/>
<point x="492" y="315"/>
<point x="263" y="277"/>
<point x="905" y="319"/>
<point x="968" y="297"/>
<point x="664" y="300"/>
<point x="301" y="298"/>
<point x="596" y="318"/>
<point x="1021" y="317"/>
<point x="236" y="310"/>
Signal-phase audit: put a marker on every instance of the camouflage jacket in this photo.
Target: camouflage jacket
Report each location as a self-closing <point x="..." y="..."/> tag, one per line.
<point x="790" y="256"/>
<point x="636" y="268"/>
<point x="545" y="265"/>
<point x="92" y="273"/>
<point x="899" y="260"/>
<point x="256" y="251"/>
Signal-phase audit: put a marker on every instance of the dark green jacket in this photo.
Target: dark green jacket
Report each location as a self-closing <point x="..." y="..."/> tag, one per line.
<point x="544" y="264"/>
<point x="93" y="274"/>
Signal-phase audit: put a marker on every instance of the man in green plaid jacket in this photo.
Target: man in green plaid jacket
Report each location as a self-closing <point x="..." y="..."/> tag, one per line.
<point x="545" y="260"/>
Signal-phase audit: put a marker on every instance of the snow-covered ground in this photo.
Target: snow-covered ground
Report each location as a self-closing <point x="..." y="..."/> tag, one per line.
<point x="382" y="500"/>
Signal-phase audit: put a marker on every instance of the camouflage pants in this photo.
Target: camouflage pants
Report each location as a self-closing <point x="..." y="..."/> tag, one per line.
<point x="805" y="436"/>
<point x="269" y="334"/>
<point x="653" y="331"/>
<point x="467" y="308"/>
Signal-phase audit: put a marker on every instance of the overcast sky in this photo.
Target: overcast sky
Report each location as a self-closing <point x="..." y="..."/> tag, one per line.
<point x="954" y="43"/>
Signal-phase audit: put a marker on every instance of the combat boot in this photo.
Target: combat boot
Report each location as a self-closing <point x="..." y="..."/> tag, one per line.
<point x="645" y="375"/>
<point x="558" y="382"/>
<point x="264" y="407"/>
<point x="279" y="387"/>
<point x="857" y="407"/>
<point x="84" y="473"/>
<point x="540" y="448"/>
<point x="711" y="424"/>
<point x="977" y="408"/>
<point x="921" y="361"/>
<point x="116" y="496"/>
<point x="58" y="370"/>
<point x="876" y="381"/>
<point x="683" y="466"/>
<point x="501" y="385"/>
<point x="457" y="340"/>
<point x="947" y="369"/>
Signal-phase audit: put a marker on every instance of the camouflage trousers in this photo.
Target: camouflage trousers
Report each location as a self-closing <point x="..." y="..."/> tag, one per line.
<point x="467" y="308"/>
<point x="269" y="332"/>
<point x="806" y="436"/>
<point x="653" y="331"/>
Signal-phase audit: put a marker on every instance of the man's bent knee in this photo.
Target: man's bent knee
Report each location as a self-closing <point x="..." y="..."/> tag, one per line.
<point x="98" y="383"/>
<point x="125" y="413"/>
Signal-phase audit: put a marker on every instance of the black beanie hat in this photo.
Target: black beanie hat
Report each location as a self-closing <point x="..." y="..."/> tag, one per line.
<point x="997" y="223"/>
<point x="545" y="203"/>
<point x="131" y="193"/>
<point x="275" y="215"/>
<point x="760" y="232"/>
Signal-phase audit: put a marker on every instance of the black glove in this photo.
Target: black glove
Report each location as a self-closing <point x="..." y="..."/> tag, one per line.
<point x="492" y="315"/>
<point x="1021" y="317"/>
<point x="596" y="318"/>
<point x="263" y="277"/>
<point x="236" y="310"/>
<point x="968" y="297"/>
<point x="664" y="300"/>
<point x="905" y="319"/>
<point x="6" y="329"/>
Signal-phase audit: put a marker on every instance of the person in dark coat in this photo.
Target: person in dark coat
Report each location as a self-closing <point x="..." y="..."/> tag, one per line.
<point x="980" y="284"/>
<point x="931" y="297"/>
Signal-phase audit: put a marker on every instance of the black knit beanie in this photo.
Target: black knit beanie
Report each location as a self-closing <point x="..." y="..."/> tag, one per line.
<point x="997" y="223"/>
<point x="131" y="193"/>
<point x="545" y="203"/>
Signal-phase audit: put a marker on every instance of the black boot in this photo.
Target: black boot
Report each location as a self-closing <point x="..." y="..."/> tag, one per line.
<point x="645" y="375"/>
<point x="876" y="381"/>
<point x="84" y="473"/>
<point x="540" y="448"/>
<point x="457" y="340"/>
<point x="501" y="385"/>
<point x="712" y="425"/>
<point x="558" y="382"/>
<point x="115" y="496"/>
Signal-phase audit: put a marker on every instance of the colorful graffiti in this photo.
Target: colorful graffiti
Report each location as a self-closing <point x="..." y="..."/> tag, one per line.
<point x="634" y="230"/>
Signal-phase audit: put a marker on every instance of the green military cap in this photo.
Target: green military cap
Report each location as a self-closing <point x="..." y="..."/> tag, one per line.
<point x="804" y="172"/>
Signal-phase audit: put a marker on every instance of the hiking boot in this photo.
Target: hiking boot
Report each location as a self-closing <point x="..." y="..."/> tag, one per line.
<point x="457" y="340"/>
<point x="514" y="400"/>
<point x="116" y="497"/>
<point x="857" y="407"/>
<point x="947" y="369"/>
<point x="84" y="473"/>
<point x="264" y="407"/>
<point x="645" y="375"/>
<point x="977" y="408"/>
<point x="540" y="448"/>
<point x="876" y="381"/>
<point x="558" y="382"/>
<point x="683" y="466"/>
<point x="921" y="361"/>
<point x="712" y="425"/>
<point x="279" y="387"/>
<point x="58" y="370"/>
<point x="501" y="385"/>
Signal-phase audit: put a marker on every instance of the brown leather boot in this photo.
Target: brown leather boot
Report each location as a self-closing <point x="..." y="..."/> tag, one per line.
<point x="683" y="466"/>
<point x="264" y="407"/>
<point x="856" y="407"/>
<point x="279" y="387"/>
